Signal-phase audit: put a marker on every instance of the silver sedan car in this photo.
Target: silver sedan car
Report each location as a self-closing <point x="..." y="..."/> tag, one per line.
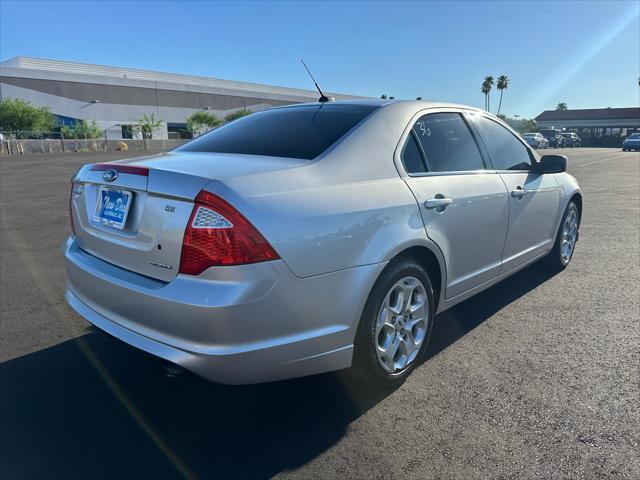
<point x="314" y="237"/>
<point x="536" y="140"/>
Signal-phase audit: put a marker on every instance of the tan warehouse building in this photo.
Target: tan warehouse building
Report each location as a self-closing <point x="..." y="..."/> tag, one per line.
<point x="117" y="97"/>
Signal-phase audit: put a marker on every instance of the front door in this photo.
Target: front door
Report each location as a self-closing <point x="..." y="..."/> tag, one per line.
<point x="533" y="197"/>
<point x="464" y="206"/>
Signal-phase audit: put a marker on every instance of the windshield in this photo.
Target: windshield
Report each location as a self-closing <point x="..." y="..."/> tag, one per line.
<point x="549" y="133"/>
<point x="634" y="136"/>
<point x="294" y="132"/>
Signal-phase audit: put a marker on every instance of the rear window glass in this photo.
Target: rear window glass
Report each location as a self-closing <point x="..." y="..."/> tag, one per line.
<point x="295" y="132"/>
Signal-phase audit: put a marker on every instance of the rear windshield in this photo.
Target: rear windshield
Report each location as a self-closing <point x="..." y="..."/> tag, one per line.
<point x="295" y="132"/>
<point x="634" y="135"/>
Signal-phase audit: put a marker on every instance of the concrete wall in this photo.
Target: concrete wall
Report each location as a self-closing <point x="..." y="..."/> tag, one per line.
<point x="17" y="147"/>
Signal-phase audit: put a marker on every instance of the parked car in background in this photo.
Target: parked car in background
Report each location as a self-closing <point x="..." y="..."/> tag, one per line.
<point x="571" y="139"/>
<point x="313" y="237"/>
<point x="536" y="140"/>
<point x="554" y="137"/>
<point x="632" y="142"/>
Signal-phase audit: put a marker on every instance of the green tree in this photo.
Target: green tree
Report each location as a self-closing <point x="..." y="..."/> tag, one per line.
<point x="148" y="124"/>
<point x="243" y="112"/>
<point x="418" y="98"/>
<point x="562" y="106"/>
<point x="82" y="129"/>
<point x="486" y="89"/>
<point x="201" y="122"/>
<point x="502" y="84"/>
<point x="384" y="96"/>
<point x="16" y="114"/>
<point x="521" y="125"/>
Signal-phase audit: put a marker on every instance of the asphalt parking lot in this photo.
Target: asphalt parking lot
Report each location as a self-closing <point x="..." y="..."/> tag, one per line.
<point x="538" y="377"/>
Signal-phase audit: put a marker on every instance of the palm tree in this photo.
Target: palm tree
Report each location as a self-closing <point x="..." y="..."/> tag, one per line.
<point x="486" y="89"/>
<point x="503" y="83"/>
<point x="562" y="106"/>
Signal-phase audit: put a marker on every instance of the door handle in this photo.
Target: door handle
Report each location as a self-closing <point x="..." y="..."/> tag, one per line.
<point x="438" y="202"/>
<point x="518" y="192"/>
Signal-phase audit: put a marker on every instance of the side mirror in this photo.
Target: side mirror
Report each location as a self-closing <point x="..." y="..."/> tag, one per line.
<point x="552" y="164"/>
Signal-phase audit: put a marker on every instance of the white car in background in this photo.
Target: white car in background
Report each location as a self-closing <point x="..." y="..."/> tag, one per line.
<point x="536" y="140"/>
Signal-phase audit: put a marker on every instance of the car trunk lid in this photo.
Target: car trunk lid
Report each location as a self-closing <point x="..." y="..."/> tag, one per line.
<point x="162" y="190"/>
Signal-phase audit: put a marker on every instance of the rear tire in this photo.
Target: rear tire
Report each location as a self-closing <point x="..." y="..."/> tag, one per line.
<point x="566" y="238"/>
<point x="395" y="326"/>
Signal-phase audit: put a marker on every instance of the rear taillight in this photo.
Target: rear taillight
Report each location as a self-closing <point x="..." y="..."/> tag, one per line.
<point x="73" y="228"/>
<point x="217" y="234"/>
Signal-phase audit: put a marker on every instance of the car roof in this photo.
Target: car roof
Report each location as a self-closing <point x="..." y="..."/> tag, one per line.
<point x="380" y="102"/>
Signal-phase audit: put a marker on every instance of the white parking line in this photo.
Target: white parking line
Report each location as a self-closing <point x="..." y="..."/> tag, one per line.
<point x="608" y="159"/>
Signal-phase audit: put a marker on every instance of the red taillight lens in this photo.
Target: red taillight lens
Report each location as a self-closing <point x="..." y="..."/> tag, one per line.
<point x="217" y="234"/>
<point x="130" y="169"/>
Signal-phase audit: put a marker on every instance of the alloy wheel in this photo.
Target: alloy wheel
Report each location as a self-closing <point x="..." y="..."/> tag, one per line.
<point x="401" y="325"/>
<point x="569" y="235"/>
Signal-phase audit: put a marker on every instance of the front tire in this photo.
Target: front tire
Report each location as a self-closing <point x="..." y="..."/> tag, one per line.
<point x="566" y="238"/>
<point x="395" y="326"/>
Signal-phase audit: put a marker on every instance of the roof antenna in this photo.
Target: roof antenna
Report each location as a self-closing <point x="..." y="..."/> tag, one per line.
<point x="323" y="98"/>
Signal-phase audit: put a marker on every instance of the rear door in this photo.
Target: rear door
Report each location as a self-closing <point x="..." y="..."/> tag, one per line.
<point x="463" y="203"/>
<point x="534" y="198"/>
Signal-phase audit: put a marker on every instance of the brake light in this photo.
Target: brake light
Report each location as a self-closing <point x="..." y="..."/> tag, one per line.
<point x="130" y="169"/>
<point x="217" y="235"/>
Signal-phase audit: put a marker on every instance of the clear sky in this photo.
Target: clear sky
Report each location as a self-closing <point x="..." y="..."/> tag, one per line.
<point x="584" y="53"/>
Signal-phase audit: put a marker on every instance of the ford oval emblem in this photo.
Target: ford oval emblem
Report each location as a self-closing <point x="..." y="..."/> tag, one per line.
<point x="110" y="175"/>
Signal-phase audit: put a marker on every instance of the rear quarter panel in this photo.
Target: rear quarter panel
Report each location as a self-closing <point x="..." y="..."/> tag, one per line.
<point x="322" y="228"/>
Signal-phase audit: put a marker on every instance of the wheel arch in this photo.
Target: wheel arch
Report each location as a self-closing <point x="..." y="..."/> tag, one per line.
<point x="433" y="263"/>
<point x="577" y="199"/>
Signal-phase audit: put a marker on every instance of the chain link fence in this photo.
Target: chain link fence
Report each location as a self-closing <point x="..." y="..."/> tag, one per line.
<point x="23" y="142"/>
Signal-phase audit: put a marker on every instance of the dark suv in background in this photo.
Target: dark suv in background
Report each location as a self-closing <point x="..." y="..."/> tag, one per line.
<point x="571" y="139"/>
<point x="554" y="136"/>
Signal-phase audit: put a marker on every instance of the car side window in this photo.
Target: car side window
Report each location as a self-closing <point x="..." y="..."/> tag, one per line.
<point x="505" y="150"/>
<point x="411" y="156"/>
<point x="447" y="143"/>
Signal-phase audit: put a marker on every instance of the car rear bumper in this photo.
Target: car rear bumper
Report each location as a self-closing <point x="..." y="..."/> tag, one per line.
<point x="245" y="324"/>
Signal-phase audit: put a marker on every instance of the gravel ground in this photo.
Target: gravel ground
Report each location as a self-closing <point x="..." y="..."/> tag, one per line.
<point x="538" y="377"/>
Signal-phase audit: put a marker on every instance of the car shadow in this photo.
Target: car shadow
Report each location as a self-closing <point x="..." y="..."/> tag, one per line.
<point x="93" y="407"/>
<point x="464" y="317"/>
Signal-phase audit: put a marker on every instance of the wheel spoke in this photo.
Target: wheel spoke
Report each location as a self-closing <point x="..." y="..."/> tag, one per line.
<point x="396" y="306"/>
<point x="387" y="355"/>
